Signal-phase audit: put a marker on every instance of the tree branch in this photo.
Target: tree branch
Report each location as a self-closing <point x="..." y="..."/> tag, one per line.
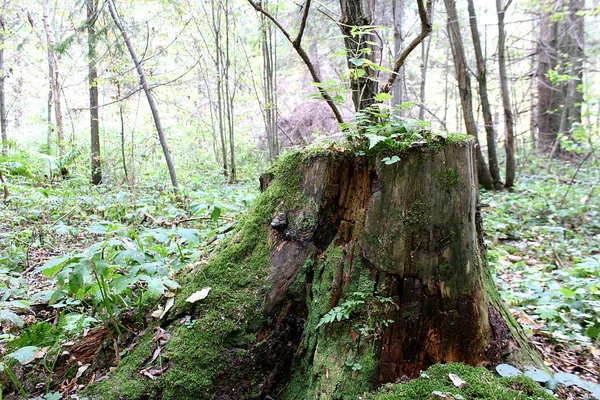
<point x="425" y="31"/>
<point x="305" y="58"/>
<point x="302" y="24"/>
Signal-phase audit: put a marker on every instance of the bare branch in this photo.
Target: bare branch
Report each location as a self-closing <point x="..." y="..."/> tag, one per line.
<point x="305" y="58"/>
<point x="302" y="24"/>
<point x="425" y="31"/>
<point x="264" y="12"/>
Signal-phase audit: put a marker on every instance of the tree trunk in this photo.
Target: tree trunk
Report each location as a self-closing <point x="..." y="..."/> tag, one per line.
<point x="2" y="91"/>
<point x="269" y="78"/>
<point x="54" y="79"/>
<point x="93" y="88"/>
<point x="398" y="12"/>
<point x="560" y="49"/>
<point x="151" y="102"/>
<point x="509" y="123"/>
<point x="464" y="88"/>
<point x="346" y="274"/>
<point x="483" y="95"/>
<point x="424" y="62"/>
<point x="547" y="59"/>
<point x="354" y="23"/>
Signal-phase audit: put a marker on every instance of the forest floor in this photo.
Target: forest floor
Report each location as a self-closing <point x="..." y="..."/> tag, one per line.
<point x="543" y="241"/>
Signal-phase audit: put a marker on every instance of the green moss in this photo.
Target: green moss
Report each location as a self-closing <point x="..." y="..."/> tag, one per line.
<point x="418" y="216"/>
<point x="126" y="381"/>
<point x="458" y="138"/>
<point x="481" y="385"/>
<point x="333" y="365"/>
<point x="230" y="314"/>
<point x="446" y="179"/>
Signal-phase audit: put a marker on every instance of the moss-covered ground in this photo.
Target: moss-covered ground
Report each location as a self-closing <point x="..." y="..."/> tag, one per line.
<point x="481" y="384"/>
<point x="203" y="332"/>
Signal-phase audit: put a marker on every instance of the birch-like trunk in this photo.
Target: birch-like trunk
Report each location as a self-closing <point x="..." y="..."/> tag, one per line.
<point x="149" y="95"/>
<point x="54" y="78"/>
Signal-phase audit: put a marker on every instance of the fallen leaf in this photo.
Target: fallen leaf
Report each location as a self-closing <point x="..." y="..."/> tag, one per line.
<point x="199" y="295"/>
<point x="459" y="383"/>
<point x="513" y="258"/>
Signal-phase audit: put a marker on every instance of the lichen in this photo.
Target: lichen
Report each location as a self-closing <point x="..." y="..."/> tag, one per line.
<point x="481" y="385"/>
<point x="446" y="179"/>
<point x="418" y="216"/>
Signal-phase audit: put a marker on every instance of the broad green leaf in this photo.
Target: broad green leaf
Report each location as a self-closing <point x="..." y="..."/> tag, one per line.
<point x="567" y="292"/>
<point x="156" y="287"/>
<point x="537" y="374"/>
<point x="383" y="96"/>
<point x="6" y="315"/>
<point x="24" y="355"/>
<point x="51" y="268"/>
<point x="506" y="370"/>
<point x="216" y="213"/>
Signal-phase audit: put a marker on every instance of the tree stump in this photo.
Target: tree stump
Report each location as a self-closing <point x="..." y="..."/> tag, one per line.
<point x="346" y="274"/>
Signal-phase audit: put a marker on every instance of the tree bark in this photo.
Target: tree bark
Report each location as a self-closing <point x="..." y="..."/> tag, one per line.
<point x="560" y="49"/>
<point x="269" y="54"/>
<point x="424" y="63"/>
<point x="151" y="102"/>
<point x="96" y="165"/>
<point x="464" y="88"/>
<point x="354" y="22"/>
<point x="398" y="12"/>
<point x="54" y="79"/>
<point x="509" y="123"/>
<point x="2" y="91"/>
<point x="395" y="250"/>
<point x="483" y="96"/>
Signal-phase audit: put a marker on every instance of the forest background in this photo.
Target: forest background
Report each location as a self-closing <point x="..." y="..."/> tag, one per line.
<point x="82" y="162"/>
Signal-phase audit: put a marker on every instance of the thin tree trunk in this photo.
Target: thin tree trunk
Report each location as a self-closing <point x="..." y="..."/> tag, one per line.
<point x="93" y="87"/>
<point x="54" y="79"/>
<point x="424" y="63"/>
<point x="464" y="88"/>
<point x="122" y="120"/>
<point x="2" y="91"/>
<point x="269" y="53"/>
<point x="398" y="12"/>
<point x="483" y="95"/>
<point x="229" y="96"/>
<point x="216" y="16"/>
<point x="509" y="123"/>
<point x="149" y="95"/>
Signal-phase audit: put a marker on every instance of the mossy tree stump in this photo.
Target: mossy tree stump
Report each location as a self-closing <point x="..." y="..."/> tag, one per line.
<point x="347" y="273"/>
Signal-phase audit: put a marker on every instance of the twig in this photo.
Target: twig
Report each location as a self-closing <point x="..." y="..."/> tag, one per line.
<point x="296" y="44"/>
<point x="564" y="196"/>
<point x="425" y="31"/>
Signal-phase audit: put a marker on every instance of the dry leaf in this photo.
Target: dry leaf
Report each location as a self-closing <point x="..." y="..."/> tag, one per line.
<point x="513" y="258"/>
<point x="459" y="383"/>
<point x="199" y="295"/>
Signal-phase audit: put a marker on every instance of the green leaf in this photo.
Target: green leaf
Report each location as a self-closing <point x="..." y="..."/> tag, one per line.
<point x="592" y="332"/>
<point x="51" y="268"/>
<point x="383" y="96"/>
<point x="374" y="140"/>
<point x="567" y="292"/>
<point x="537" y="374"/>
<point x="506" y="370"/>
<point x="156" y="287"/>
<point x="6" y="315"/>
<point x="24" y="355"/>
<point x="216" y="213"/>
